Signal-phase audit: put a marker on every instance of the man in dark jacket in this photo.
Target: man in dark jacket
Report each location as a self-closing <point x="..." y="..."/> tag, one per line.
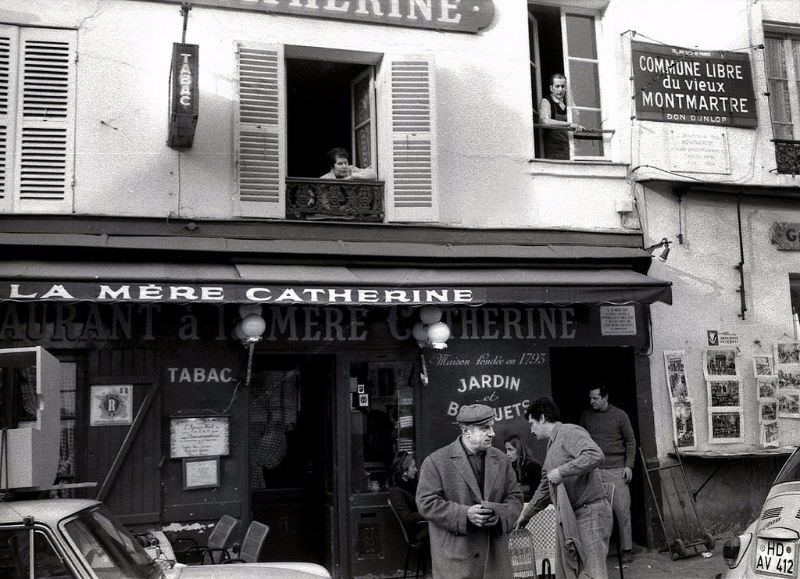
<point x="469" y="494"/>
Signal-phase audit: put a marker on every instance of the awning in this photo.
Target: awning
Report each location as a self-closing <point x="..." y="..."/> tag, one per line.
<point x="321" y="285"/>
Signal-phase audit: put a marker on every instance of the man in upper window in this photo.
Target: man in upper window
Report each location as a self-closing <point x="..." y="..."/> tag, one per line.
<point x="342" y="169"/>
<point x="553" y="112"/>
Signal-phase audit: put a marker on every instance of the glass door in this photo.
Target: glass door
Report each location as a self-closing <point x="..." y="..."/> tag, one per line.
<point x="381" y="393"/>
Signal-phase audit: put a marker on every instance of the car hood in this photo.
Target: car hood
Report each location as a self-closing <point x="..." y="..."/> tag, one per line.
<point x="250" y="570"/>
<point x="780" y="515"/>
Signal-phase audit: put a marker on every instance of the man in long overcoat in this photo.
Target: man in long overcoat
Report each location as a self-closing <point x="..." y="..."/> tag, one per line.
<point x="469" y="494"/>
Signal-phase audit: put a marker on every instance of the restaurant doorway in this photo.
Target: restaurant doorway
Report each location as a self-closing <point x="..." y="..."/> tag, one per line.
<point x="290" y="455"/>
<point x="572" y="371"/>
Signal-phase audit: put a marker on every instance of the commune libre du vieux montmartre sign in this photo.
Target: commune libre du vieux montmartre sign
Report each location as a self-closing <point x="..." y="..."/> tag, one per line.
<point x="681" y="85"/>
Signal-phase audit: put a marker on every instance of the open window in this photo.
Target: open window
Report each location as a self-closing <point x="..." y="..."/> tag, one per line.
<point x="298" y="102"/>
<point x="782" y="59"/>
<point x="564" y="41"/>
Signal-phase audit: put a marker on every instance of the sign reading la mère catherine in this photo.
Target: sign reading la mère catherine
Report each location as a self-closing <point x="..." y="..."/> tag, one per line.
<point x="451" y="15"/>
<point x="680" y="85"/>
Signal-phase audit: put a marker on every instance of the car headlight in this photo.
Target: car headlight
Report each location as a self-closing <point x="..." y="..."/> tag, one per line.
<point x="734" y="549"/>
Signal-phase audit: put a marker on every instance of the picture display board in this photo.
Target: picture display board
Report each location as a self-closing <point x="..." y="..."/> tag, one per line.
<point x="680" y="401"/>
<point x="199" y="436"/>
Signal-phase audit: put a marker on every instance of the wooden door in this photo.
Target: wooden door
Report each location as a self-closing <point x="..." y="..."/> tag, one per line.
<point x="122" y="406"/>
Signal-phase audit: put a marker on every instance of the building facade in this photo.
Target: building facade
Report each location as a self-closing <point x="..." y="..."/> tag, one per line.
<point x="238" y="335"/>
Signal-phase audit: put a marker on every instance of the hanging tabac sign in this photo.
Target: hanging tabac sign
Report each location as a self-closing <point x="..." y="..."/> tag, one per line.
<point x="184" y="95"/>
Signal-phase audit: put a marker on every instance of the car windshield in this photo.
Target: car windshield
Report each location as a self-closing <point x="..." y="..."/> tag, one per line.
<point x="109" y="548"/>
<point x="791" y="470"/>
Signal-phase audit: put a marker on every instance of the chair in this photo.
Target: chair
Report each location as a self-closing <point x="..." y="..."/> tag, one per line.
<point x="411" y="545"/>
<point x="215" y="549"/>
<point x="252" y="543"/>
<point x="615" y="534"/>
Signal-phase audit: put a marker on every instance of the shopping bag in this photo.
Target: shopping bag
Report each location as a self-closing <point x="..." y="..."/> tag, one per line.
<point x="520" y="544"/>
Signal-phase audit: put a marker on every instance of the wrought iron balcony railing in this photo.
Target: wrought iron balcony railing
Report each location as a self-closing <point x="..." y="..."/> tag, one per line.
<point x="787" y="156"/>
<point x="329" y="199"/>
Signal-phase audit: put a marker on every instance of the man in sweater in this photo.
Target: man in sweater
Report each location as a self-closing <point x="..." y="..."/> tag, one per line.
<point x="571" y="481"/>
<point x="611" y="429"/>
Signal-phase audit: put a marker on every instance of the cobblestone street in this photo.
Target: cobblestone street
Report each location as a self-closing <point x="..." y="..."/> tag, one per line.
<point x="659" y="565"/>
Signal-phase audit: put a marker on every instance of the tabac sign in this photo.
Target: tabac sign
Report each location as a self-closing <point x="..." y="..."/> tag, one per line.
<point x="450" y="15"/>
<point x="679" y="85"/>
<point x="184" y="95"/>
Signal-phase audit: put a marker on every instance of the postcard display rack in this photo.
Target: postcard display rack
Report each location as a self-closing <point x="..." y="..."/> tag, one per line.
<point x="724" y="395"/>
<point x="776" y="380"/>
<point x="680" y="401"/>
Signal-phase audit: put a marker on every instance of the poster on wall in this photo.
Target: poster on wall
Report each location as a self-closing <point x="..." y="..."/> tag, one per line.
<point x="769" y="434"/>
<point x="788" y="403"/>
<point x="788" y="376"/>
<point x="724" y="393"/>
<point x="767" y="386"/>
<point x="724" y="426"/>
<point x="111" y="405"/>
<point x="683" y="423"/>
<point x="787" y="353"/>
<point x="719" y="363"/>
<point x="767" y="410"/>
<point x="762" y="366"/>
<point x="675" y="366"/>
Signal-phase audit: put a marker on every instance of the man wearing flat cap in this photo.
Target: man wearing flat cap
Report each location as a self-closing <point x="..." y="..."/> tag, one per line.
<point x="468" y="492"/>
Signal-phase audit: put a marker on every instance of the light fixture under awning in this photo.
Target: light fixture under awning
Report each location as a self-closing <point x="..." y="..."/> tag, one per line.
<point x="322" y="285"/>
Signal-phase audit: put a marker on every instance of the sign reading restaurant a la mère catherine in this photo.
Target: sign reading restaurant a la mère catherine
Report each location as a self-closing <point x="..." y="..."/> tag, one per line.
<point x="452" y="15"/>
<point x="681" y="85"/>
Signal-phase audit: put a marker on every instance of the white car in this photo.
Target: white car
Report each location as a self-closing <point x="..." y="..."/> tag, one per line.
<point x="768" y="548"/>
<point x="81" y="539"/>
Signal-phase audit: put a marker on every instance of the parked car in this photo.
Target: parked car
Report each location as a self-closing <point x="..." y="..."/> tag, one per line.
<point x="81" y="539"/>
<point x="769" y="545"/>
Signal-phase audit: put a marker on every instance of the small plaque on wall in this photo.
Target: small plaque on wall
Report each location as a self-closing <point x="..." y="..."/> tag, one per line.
<point x="111" y="405"/>
<point x="694" y="149"/>
<point x="200" y="473"/>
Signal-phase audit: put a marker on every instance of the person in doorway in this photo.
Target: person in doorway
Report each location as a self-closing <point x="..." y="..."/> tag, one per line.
<point x="403" y="494"/>
<point x="469" y="495"/>
<point x="611" y="429"/>
<point x="342" y="169"/>
<point x="553" y="112"/>
<point x="529" y="472"/>
<point x="572" y="483"/>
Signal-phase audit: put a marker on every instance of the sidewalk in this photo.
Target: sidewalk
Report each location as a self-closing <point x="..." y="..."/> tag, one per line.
<point x="659" y="565"/>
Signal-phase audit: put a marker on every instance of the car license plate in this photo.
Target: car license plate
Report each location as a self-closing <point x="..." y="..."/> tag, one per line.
<point x="777" y="558"/>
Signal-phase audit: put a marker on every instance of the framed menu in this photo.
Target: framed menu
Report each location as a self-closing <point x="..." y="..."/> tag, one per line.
<point x="200" y="473"/>
<point x="199" y="436"/>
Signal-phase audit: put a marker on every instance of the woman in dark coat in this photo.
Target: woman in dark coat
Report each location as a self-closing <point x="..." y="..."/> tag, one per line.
<point x="402" y="494"/>
<point x="529" y="472"/>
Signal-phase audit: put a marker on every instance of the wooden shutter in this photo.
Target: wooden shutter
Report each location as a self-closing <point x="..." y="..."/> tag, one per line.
<point x="45" y="113"/>
<point x="412" y="187"/>
<point x="260" y="131"/>
<point x="9" y="37"/>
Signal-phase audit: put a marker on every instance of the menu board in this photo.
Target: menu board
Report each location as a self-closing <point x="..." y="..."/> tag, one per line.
<point x="199" y="436"/>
